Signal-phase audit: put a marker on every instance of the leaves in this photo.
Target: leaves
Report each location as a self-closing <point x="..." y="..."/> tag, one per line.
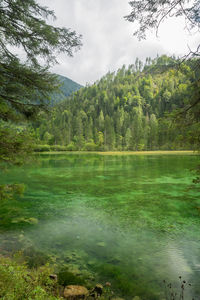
<point x="149" y="14"/>
<point x="23" y="24"/>
<point x="8" y="191"/>
<point x="132" y="109"/>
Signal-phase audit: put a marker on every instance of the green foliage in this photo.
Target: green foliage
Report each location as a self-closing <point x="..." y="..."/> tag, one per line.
<point x="26" y="86"/>
<point x="9" y="191"/>
<point x="90" y="146"/>
<point x="57" y="148"/>
<point x="42" y="148"/>
<point x="131" y="109"/>
<point x="148" y="14"/>
<point x="35" y="258"/>
<point x="17" y="282"/>
<point x="197" y="179"/>
<point x="71" y="147"/>
<point x="24" y="89"/>
<point x="47" y="148"/>
<point x="66" y="278"/>
<point x="13" y="149"/>
<point x="24" y="23"/>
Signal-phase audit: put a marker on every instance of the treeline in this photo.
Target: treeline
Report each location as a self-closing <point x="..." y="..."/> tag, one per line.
<point x="125" y="110"/>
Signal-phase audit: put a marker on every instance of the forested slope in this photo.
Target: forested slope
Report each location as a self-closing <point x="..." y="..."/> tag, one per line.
<point x="126" y="110"/>
<point x="67" y="87"/>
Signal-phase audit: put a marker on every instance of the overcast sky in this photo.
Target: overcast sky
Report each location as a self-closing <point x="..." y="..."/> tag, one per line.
<point x="108" y="40"/>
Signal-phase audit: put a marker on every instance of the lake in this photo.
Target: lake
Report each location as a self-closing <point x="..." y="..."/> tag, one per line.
<point x="130" y="220"/>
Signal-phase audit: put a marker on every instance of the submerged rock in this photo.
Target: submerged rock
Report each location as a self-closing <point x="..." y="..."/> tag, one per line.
<point x="75" y="292"/>
<point x="87" y="275"/>
<point x="53" y="277"/>
<point x="25" y="220"/>
<point x="91" y="263"/>
<point x="101" y="244"/>
<point x="32" y="221"/>
<point x="97" y="291"/>
<point x="66" y="278"/>
<point x="107" y="284"/>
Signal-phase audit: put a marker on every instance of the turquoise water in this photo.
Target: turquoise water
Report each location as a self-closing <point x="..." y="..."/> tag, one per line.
<point x="131" y="220"/>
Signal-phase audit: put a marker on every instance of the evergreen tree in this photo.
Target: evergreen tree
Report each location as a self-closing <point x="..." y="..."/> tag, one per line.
<point x="127" y="110"/>
<point x="24" y="86"/>
<point x="149" y="14"/>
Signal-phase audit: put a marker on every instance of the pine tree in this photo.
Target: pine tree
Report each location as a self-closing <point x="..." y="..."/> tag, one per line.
<point x="26" y="86"/>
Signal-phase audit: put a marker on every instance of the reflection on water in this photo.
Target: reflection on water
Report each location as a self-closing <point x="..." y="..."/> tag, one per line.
<point x="129" y="220"/>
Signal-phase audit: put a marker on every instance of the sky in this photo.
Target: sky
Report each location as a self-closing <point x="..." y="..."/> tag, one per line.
<point x="108" y="40"/>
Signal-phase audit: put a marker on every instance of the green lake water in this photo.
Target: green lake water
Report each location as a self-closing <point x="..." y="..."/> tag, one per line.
<point x="131" y="220"/>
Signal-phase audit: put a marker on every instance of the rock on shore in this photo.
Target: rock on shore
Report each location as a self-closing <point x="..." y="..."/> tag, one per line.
<point x="75" y="292"/>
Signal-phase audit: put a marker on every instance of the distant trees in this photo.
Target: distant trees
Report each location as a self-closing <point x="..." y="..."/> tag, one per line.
<point x="149" y="14"/>
<point x="125" y="110"/>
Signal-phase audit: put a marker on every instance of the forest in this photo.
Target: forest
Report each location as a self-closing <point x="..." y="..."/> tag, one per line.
<point x="135" y="108"/>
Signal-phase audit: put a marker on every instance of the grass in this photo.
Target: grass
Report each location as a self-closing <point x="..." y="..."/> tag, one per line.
<point x="18" y="282"/>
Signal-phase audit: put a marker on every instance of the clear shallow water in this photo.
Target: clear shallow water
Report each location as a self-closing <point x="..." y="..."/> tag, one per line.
<point x="130" y="220"/>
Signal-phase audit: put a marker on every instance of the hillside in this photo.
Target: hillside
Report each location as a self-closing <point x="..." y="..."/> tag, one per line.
<point x="68" y="86"/>
<point x="126" y="110"/>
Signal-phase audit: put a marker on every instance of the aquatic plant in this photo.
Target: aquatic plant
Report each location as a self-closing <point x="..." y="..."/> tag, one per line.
<point x="171" y="293"/>
<point x="35" y="258"/>
<point x="66" y="278"/>
<point x="10" y="191"/>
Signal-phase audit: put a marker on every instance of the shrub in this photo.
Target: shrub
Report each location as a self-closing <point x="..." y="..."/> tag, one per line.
<point x="42" y="148"/>
<point x="17" y="282"/>
<point x="91" y="146"/>
<point x="58" y="148"/>
<point x="65" y="278"/>
<point x="71" y="147"/>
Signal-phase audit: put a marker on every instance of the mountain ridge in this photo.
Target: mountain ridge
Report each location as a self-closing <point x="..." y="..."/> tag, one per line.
<point x="68" y="86"/>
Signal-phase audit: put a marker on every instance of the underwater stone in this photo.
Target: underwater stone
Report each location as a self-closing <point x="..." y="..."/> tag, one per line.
<point x="75" y="292"/>
<point x="68" y="258"/>
<point x="101" y="244"/>
<point x="114" y="260"/>
<point x="86" y="274"/>
<point x="107" y="284"/>
<point x="97" y="290"/>
<point x="53" y="277"/>
<point x="32" y="221"/>
<point x="25" y="220"/>
<point x="74" y="269"/>
<point x="91" y="262"/>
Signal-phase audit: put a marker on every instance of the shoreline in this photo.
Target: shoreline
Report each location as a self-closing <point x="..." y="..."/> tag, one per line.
<point x="155" y="152"/>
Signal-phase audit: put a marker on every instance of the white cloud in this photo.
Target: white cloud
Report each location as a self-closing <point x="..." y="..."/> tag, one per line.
<point x="108" y="42"/>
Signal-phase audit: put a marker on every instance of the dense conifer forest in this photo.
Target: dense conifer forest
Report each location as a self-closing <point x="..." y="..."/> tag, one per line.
<point x="134" y="108"/>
